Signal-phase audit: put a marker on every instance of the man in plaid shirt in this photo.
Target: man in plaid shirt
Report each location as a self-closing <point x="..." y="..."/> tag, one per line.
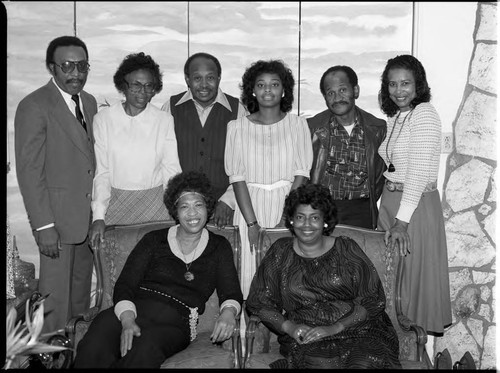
<point x="345" y="144"/>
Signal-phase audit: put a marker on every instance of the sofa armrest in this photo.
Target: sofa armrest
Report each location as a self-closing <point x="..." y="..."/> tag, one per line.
<point x="98" y="265"/>
<point x="253" y="322"/>
<point x="236" y="345"/>
<point x="88" y="316"/>
<point x="71" y="325"/>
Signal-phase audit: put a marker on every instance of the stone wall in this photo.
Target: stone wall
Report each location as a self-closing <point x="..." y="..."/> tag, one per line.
<point x="469" y="204"/>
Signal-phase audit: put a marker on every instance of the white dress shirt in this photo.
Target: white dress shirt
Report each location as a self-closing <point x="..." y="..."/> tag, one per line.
<point x="203" y="112"/>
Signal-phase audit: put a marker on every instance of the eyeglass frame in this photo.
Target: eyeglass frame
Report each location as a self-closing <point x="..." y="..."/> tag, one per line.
<point x="73" y="65"/>
<point x="143" y="87"/>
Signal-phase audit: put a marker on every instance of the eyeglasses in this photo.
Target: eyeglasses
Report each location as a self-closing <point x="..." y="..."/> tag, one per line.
<point x="137" y="87"/>
<point x="69" y="66"/>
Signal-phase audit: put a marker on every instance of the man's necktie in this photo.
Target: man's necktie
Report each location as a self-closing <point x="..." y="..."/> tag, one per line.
<point x="78" y="112"/>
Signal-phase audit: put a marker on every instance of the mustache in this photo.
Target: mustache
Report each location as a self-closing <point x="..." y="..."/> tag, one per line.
<point x="341" y="103"/>
<point x="74" y="80"/>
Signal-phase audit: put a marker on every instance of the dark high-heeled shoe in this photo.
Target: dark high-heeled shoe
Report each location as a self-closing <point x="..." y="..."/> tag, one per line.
<point x="466" y="362"/>
<point x="443" y="360"/>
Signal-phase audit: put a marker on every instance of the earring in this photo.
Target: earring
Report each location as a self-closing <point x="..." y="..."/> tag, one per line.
<point x="283" y="95"/>
<point x="253" y="94"/>
<point x="325" y="225"/>
<point x="291" y="222"/>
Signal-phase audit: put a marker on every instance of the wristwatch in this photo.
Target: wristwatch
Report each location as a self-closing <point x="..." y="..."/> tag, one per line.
<point x="249" y="225"/>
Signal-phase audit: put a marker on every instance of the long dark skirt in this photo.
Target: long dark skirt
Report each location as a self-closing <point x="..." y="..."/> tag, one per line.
<point x="425" y="286"/>
<point x="361" y="351"/>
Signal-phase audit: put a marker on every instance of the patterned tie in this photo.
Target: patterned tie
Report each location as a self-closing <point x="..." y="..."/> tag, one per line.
<point x="78" y="112"/>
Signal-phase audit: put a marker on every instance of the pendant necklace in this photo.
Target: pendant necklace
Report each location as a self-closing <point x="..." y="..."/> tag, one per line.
<point x="391" y="167"/>
<point x="189" y="276"/>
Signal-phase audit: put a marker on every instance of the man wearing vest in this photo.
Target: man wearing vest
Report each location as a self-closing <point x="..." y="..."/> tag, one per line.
<point x="200" y="116"/>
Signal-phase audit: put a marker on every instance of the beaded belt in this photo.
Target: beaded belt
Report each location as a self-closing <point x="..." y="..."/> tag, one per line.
<point x="193" y="312"/>
<point x="394" y="186"/>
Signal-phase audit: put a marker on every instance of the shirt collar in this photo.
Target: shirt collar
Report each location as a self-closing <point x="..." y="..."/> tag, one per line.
<point x="334" y="122"/>
<point x="220" y="98"/>
<point x="66" y="95"/>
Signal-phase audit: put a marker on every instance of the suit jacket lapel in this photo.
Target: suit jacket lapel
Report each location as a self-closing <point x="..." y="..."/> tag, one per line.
<point x="68" y="122"/>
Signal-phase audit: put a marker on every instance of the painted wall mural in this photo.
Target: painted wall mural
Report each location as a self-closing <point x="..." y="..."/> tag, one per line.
<point x="308" y="36"/>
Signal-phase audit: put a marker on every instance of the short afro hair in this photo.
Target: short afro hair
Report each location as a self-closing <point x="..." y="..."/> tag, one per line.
<point x="190" y="181"/>
<point x="271" y="67"/>
<point x="351" y="75"/>
<point x="134" y="62"/>
<point x="319" y="198"/>
<point x="63" y="41"/>
<point x="202" y="55"/>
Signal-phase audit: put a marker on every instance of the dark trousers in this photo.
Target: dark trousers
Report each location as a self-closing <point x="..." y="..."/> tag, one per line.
<point x="354" y="212"/>
<point x="164" y="332"/>
<point x="68" y="280"/>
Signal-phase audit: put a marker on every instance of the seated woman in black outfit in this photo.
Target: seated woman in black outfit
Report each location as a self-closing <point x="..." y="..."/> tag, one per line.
<point x="321" y="294"/>
<point x="164" y="285"/>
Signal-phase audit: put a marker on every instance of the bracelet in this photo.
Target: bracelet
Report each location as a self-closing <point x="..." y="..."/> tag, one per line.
<point x="231" y="306"/>
<point x="249" y="225"/>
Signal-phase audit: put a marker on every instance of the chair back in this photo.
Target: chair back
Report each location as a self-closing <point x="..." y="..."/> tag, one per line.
<point x="119" y="240"/>
<point x="390" y="268"/>
<point x="373" y="245"/>
<point x="267" y="236"/>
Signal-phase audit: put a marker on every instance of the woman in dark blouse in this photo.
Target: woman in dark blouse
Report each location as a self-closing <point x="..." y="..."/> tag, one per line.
<point x="321" y="294"/>
<point x="164" y="285"/>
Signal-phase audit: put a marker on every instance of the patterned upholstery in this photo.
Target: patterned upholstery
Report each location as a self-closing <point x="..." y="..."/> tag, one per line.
<point x="110" y="259"/>
<point x="262" y="345"/>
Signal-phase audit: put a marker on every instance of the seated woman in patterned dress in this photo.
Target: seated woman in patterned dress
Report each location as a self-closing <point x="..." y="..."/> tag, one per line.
<point x="320" y="294"/>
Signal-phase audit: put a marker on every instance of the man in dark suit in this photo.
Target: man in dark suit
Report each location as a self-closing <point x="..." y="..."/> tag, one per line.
<point x="55" y="166"/>
<point x="345" y="145"/>
<point x="201" y="115"/>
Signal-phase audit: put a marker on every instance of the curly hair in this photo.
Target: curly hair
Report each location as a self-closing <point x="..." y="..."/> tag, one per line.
<point x="202" y="55"/>
<point x="134" y="62"/>
<point x="319" y="198"/>
<point x="63" y="41"/>
<point x="190" y="181"/>
<point x="351" y="75"/>
<point x="422" y="89"/>
<point x="271" y="67"/>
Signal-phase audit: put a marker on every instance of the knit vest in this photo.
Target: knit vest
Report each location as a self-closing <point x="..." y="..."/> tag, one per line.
<point x="201" y="148"/>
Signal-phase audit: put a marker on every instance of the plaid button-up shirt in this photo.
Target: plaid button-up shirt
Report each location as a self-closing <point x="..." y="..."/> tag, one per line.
<point x="346" y="173"/>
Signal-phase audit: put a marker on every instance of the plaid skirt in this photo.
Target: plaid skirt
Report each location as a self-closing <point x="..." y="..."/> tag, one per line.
<point x="136" y="206"/>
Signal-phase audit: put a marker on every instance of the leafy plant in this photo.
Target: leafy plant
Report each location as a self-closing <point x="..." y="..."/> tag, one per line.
<point x="24" y="339"/>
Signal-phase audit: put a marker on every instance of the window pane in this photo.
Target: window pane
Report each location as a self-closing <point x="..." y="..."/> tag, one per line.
<point x="362" y="35"/>
<point x="113" y="30"/>
<point x="239" y="33"/>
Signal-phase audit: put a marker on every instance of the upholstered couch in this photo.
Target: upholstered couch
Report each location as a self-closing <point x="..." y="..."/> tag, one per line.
<point x="261" y="346"/>
<point x="109" y="261"/>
